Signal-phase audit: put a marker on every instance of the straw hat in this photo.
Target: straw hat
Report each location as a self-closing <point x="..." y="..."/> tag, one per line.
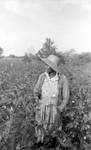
<point x="52" y="61"/>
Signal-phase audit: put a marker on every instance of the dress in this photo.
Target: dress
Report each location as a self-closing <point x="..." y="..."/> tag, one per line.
<point x="47" y="111"/>
<point x="49" y="93"/>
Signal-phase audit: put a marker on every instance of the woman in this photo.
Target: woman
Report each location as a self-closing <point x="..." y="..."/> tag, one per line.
<point x="52" y="93"/>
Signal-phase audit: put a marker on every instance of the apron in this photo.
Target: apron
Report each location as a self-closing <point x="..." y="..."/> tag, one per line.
<point x="47" y="112"/>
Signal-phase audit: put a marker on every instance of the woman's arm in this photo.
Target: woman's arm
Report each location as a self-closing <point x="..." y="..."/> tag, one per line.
<point x="37" y="88"/>
<point x="65" y="93"/>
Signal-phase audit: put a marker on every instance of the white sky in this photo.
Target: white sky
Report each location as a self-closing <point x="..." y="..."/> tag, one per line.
<point x="25" y="24"/>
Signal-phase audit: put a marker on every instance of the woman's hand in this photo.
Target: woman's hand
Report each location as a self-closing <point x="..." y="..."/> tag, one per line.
<point x="60" y="108"/>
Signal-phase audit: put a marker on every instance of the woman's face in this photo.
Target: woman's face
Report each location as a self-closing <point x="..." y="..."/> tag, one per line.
<point x="50" y="71"/>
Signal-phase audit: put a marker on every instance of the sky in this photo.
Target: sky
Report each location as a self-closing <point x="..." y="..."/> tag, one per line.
<point x="25" y="24"/>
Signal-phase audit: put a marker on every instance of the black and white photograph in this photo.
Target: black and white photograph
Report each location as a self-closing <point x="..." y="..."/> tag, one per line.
<point x="45" y="74"/>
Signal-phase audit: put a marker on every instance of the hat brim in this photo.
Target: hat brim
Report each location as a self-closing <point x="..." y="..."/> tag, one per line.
<point x="49" y="63"/>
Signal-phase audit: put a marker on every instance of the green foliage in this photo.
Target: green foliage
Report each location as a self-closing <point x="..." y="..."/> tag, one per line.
<point x="1" y="51"/>
<point x="27" y="58"/>
<point x="75" y="59"/>
<point x="17" y="80"/>
<point x="48" y="48"/>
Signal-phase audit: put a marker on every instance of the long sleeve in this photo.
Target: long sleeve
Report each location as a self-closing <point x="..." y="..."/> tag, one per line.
<point x="37" y="88"/>
<point x="65" y="93"/>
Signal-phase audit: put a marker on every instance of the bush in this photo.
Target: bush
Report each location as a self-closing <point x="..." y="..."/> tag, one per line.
<point x="17" y="111"/>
